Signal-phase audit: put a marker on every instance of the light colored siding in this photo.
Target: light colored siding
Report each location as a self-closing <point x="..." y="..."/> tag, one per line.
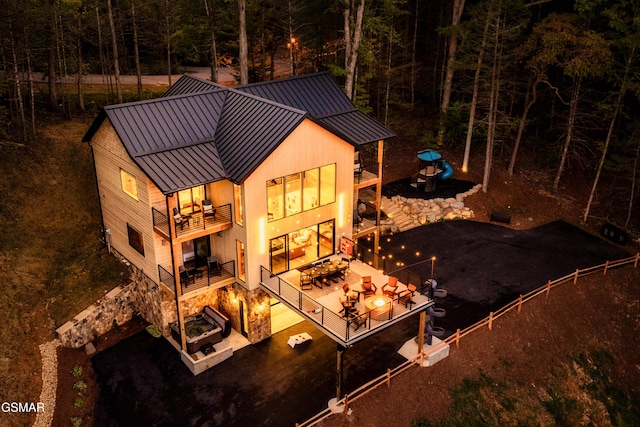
<point x="118" y="208"/>
<point x="309" y="146"/>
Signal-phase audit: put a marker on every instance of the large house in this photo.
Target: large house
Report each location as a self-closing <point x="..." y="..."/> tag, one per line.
<point x="210" y="192"/>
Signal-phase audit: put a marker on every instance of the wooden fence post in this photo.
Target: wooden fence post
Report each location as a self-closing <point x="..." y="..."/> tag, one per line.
<point x="635" y="264"/>
<point x="458" y="338"/>
<point x="346" y="404"/>
<point x="575" y="278"/>
<point x="519" y="303"/>
<point x="606" y="267"/>
<point x="548" y="287"/>
<point x="388" y="377"/>
<point x="490" y="320"/>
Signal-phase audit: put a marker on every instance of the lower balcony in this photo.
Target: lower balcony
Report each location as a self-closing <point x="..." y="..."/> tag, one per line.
<point x="200" y="277"/>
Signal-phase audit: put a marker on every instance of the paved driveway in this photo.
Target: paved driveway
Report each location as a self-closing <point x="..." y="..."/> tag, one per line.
<point x="483" y="266"/>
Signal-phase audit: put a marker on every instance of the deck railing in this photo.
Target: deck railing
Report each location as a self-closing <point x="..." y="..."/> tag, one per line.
<point x="368" y="171"/>
<point x="196" y="222"/>
<point x="201" y="280"/>
<point x="338" y="325"/>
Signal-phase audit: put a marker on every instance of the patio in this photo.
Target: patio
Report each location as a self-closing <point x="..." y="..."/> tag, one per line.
<point x="324" y="307"/>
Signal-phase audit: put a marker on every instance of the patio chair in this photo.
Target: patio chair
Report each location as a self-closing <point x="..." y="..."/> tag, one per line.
<point x="306" y="282"/>
<point x="406" y="297"/>
<point x="208" y="209"/>
<point x="390" y="289"/>
<point x="357" y="320"/>
<point x="368" y="287"/>
<point x="357" y="164"/>
<point x="352" y="295"/>
<point x="348" y="306"/>
<point x="185" y="277"/>
<point x="180" y="220"/>
<point x="214" y="266"/>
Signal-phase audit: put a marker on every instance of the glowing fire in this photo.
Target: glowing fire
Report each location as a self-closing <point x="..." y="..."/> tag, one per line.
<point x="379" y="302"/>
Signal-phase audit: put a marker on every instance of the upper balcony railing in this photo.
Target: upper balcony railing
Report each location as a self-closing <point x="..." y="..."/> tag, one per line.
<point x="366" y="174"/>
<point x="196" y="223"/>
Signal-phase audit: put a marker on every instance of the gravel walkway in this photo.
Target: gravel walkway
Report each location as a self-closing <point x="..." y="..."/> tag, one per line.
<point x="49" y="356"/>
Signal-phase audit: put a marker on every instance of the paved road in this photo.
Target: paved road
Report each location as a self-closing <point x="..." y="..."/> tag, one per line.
<point x="143" y="382"/>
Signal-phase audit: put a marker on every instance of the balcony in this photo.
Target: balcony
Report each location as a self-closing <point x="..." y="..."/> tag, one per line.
<point x="323" y="306"/>
<point x="196" y="225"/>
<point x="201" y="278"/>
<point x="366" y="175"/>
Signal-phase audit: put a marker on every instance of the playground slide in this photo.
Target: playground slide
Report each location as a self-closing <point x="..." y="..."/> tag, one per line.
<point x="447" y="171"/>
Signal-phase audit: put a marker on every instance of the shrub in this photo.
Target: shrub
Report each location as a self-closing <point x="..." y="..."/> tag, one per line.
<point x="76" y="421"/>
<point x="79" y="402"/>
<point x="76" y="371"/>
<point x="80" y="386"/>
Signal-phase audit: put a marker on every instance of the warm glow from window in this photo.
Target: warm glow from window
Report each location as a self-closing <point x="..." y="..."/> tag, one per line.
<point x="129" y="184"/>
<point x="301" y="191"/>
<point x="237" y="202"/>
<point x="241" y="260"/>
<point x="190" y="200"/>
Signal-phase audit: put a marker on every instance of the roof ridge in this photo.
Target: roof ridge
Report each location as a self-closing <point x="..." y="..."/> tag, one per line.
<point x="266" y="101"/>
<point x="162" y="99"/>
<point x="287" y="79"/>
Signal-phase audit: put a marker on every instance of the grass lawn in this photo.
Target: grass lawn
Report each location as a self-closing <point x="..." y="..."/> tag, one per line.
<point x="52" y="263"/>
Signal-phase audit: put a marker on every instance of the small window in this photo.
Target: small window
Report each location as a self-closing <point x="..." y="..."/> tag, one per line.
<point x="237" y="200"/>
<point x="241" y="260"/>
<point x="129" y="184"/>
<point x="135" y="239"/>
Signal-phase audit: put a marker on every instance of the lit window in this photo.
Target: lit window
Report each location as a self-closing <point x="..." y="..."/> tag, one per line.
<point x="190" y="200"/>
<point x="129" y="185"/>
<point x="327" y="184"/>
<point x="241" y="261"/>
<point x="135" y="239"/>
<point x="293" y="193"/>
<point x="275" y="197"/>
<point x="310" y="189"/>
<point x="237" y="202"/>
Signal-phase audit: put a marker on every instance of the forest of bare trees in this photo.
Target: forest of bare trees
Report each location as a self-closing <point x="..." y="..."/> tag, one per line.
<point x="550" y="82"/>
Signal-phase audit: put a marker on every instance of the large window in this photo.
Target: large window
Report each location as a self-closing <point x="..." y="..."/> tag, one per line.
<point x="190" y="200"/>
<point x="301" y="247"/>
<point x="301" y="191"/>
<point x="237" y="203"/>
<point x="129" y="184"/>
<point x="135" y="239"/>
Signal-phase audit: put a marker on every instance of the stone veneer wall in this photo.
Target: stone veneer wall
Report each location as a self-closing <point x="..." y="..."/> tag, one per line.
<point x="155" y="303"/>
<point x="257" y="304"/>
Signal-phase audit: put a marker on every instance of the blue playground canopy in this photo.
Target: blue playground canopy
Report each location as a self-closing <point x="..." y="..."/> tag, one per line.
<point x="429" y="155"/>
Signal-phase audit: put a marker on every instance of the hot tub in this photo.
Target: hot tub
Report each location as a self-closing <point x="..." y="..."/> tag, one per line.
<point x="201" y="329"/>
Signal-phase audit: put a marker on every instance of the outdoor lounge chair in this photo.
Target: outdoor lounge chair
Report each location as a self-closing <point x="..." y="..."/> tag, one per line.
<point x="180" y="220"/>
<point x="358" y="320"/>
<point x="208" y="209"/>
<point x="348" y="306"/>
<point x="406" y="297"/>
<point x="185" y="277"/>
<point x="368" y="288"/>
<point x="214" y="266"/>
<point x="391" y="288"/>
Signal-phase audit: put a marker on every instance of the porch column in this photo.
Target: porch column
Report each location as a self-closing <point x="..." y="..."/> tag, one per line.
<point x="176" y="249"/>
<point x="340" y="351"/>
<point x="376" y="235"/>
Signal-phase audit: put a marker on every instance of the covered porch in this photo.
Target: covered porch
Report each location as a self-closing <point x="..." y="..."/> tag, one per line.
<point x="324" y="305"/>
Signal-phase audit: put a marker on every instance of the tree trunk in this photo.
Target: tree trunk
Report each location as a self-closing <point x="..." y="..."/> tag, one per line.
<point x="413" y="55"/>
<point x="51" y="57"/>
<point x="114" y="44"/>
<point x="244" y="51"/>
<point x="167" y="28"/>
<point x="458" y="7"/>
<point x="32" y="97"/>
<point x="474" y="98"/>
<point x="79" y="63"/>
<point x="214" y="53"/>
<point x="523" y="121"/>
<point x="493" y="105"/>
<point x="633" y="186"/>
<point x="16" y="85"/>
<point x="352" y="38"/>
<point x="573" y="108"/>
<point x="136" y="51"/>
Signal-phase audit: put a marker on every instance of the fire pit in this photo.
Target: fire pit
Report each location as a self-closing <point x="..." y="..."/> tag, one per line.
<point x="379" y="306"/>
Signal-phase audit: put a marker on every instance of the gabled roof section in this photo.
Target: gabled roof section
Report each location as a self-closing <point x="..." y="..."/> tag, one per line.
<point x="190" y="84"/>
<point x="201" y="132"/>
<point x="320" y="96"/>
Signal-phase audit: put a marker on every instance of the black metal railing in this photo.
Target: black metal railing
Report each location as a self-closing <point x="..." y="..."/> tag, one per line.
<point x="196" y="221"/>
<point x="160" y="221"/>
<point x="341" y="326"/>
<point x="366" y="172"/>
<point x="199" y="278"/>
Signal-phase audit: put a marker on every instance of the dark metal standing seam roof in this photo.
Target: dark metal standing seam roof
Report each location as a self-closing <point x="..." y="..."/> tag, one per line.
<point x="201" y="132"/>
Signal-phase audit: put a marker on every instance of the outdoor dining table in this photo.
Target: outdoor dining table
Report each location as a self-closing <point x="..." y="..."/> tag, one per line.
<point x="326" y="270"/>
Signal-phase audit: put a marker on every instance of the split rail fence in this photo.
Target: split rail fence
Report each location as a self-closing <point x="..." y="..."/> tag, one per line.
<point x="455" y="338"/>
